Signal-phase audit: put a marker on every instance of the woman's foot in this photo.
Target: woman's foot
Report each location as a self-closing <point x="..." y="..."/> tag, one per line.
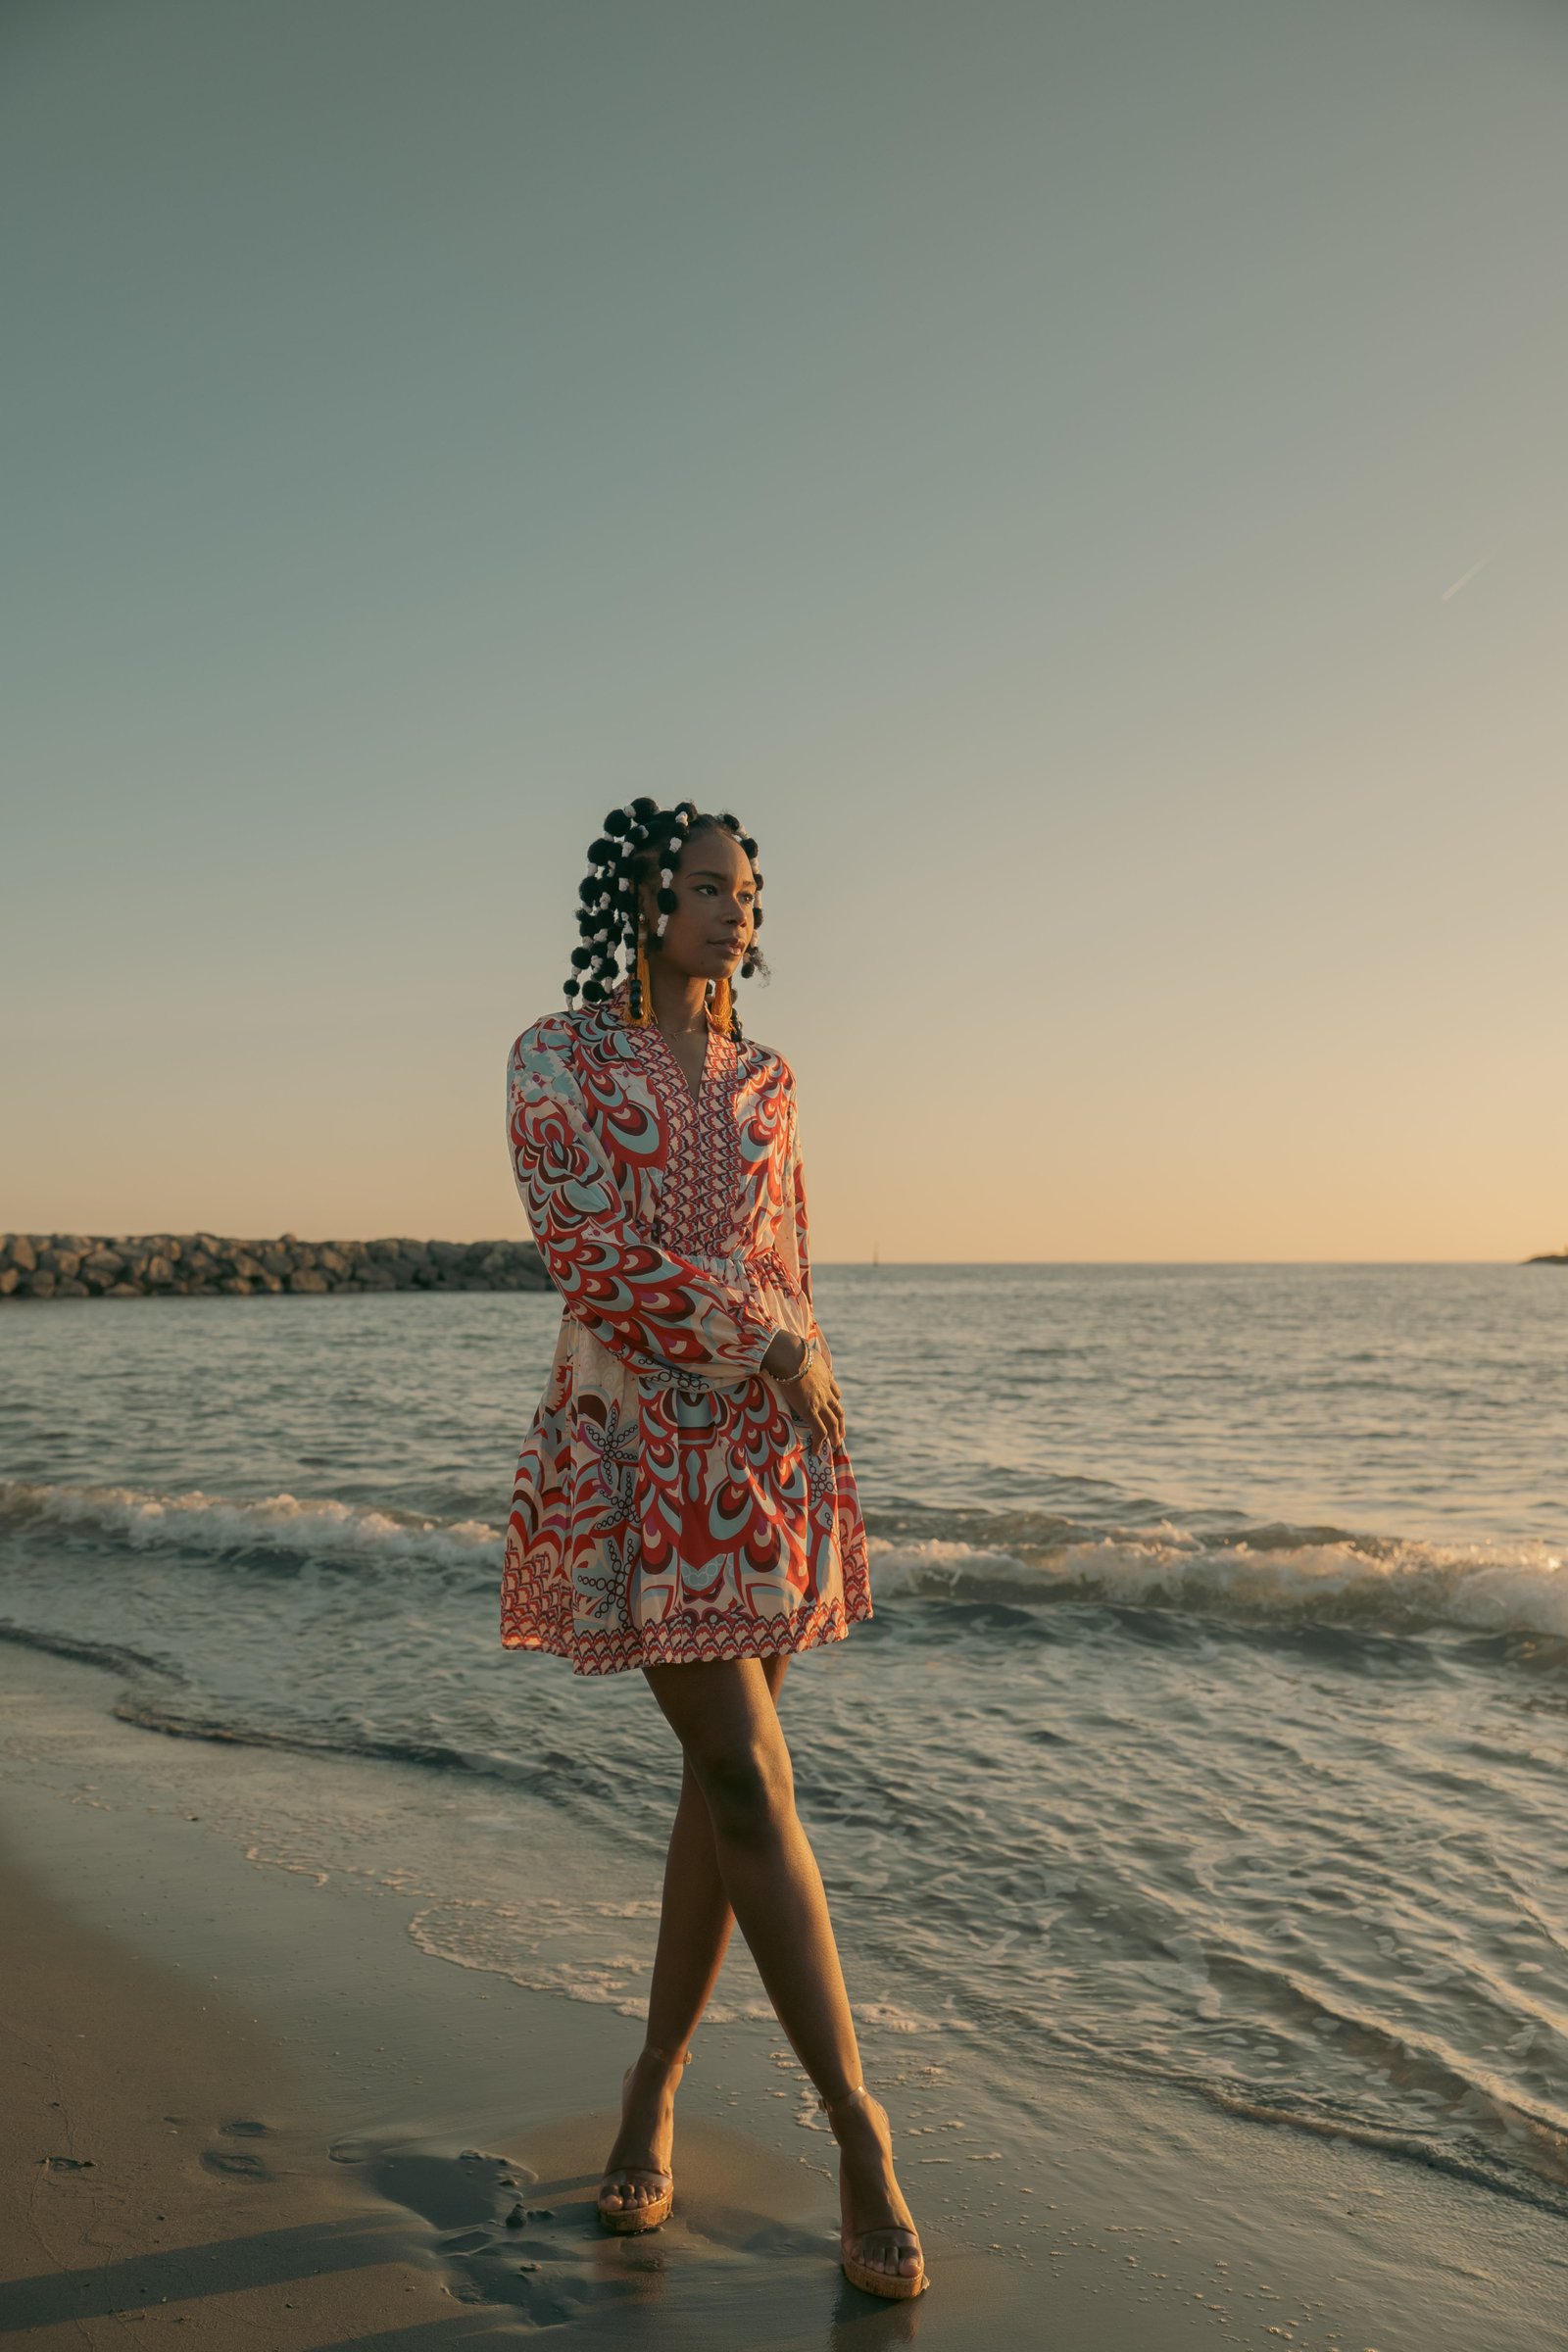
<point x="879" y="2241"/>
<point x="638" y="2187"/>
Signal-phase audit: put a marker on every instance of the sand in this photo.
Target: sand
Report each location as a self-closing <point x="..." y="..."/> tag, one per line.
<point x="243" y="2108"/>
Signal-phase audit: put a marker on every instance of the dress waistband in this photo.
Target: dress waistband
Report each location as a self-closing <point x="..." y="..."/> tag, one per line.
<point x="740" y="1265"/>
<point x="771" y="1267"/>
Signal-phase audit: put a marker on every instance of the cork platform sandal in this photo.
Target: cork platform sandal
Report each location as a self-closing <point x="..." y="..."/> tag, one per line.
<point x="895" y="2287"/>
<point x="647" y="2212"/>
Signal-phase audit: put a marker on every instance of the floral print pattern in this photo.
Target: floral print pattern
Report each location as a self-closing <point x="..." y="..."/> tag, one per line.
<point x="667" y="1507"/>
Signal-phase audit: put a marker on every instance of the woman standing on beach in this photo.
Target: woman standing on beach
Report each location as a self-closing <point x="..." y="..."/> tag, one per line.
<point x="683" y="1501"/>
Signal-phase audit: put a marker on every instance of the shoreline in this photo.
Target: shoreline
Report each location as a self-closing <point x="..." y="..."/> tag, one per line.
<point x="399" y="2094"/>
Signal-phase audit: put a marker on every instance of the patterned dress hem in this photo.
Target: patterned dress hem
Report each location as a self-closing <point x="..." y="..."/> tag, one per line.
<point x="685" y="1642"/>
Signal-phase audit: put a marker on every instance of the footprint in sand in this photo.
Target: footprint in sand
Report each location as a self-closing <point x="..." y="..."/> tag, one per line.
<point x="243" y="2164"/>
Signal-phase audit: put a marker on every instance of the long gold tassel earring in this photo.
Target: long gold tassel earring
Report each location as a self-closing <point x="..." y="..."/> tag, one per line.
<point x="642" y="994"/>
<point x="718" y="1008"/>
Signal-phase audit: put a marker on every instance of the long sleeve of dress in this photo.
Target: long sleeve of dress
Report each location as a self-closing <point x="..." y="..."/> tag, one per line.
<point x="795" y="1233"/>
<point x="645" y="1305"/>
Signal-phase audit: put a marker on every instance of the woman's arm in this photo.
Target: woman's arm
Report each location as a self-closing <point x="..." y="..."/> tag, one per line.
<point x="799" y="1220"/>
<point x="814" y="1398"/>
<point x="640" y="1301"/>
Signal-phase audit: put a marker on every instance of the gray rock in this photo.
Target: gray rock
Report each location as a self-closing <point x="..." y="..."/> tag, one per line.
<point x="202" y="1264"/>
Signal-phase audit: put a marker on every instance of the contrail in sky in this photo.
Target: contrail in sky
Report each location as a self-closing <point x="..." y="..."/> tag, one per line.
<point x="1465" y="578"/>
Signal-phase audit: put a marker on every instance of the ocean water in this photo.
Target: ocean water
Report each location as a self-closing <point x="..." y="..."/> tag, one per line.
<point x="1213" y="1727"/>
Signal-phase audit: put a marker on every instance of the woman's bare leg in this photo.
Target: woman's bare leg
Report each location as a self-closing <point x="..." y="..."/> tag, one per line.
<point x="724" y="1716"/>
<point x="695" y="1923"/>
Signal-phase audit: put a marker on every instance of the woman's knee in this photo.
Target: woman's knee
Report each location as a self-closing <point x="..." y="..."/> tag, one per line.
<point x="750" y="1788"/>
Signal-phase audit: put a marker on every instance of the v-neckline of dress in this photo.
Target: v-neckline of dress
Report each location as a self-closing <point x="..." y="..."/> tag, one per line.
<point x="694" y="1094"/>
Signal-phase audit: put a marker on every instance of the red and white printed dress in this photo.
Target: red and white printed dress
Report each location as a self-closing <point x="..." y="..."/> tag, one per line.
<point x="667" y="1507"/>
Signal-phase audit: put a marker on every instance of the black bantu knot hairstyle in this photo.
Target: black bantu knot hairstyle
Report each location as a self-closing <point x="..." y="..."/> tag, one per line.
<point x="640" y="843"/>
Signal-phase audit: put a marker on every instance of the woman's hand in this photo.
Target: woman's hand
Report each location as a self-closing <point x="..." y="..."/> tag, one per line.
<point x="813" y="1398"/>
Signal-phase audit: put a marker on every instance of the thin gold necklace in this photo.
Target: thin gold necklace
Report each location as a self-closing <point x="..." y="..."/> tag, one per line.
<point x="696" y="1029"/>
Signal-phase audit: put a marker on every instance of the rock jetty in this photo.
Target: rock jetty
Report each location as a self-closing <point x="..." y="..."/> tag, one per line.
<point x="190" y="1265"/>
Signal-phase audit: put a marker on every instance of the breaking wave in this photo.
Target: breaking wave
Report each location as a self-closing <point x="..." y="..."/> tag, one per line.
<point x="1252" y="1575"/>
<point x="1280" y="1574"/>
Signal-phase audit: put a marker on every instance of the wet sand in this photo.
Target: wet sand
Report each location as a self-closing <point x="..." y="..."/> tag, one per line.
<point x="242" y="2107"/>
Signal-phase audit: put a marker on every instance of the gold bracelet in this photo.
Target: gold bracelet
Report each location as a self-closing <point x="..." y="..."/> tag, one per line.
<point x="810" y="1349"/>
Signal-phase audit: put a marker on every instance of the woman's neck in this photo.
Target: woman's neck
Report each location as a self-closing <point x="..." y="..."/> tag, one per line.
<point x="680" y="1000"/>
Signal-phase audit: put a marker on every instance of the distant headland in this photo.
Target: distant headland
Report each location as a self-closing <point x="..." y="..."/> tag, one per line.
<point x="1549" y="1258"/>
<point x="193" y="1266"/>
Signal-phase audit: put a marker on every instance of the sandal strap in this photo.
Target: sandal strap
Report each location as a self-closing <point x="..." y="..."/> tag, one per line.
<point x="858" y="2245"/>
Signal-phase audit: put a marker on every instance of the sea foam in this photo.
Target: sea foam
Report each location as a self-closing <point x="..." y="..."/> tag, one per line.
<point x="1270" y="1573"/>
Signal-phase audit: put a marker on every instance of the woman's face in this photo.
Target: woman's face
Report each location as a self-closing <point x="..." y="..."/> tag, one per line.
<point x="715" y="892"/>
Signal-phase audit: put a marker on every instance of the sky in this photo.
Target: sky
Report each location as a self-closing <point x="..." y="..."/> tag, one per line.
<point x="1084" y="482"/>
